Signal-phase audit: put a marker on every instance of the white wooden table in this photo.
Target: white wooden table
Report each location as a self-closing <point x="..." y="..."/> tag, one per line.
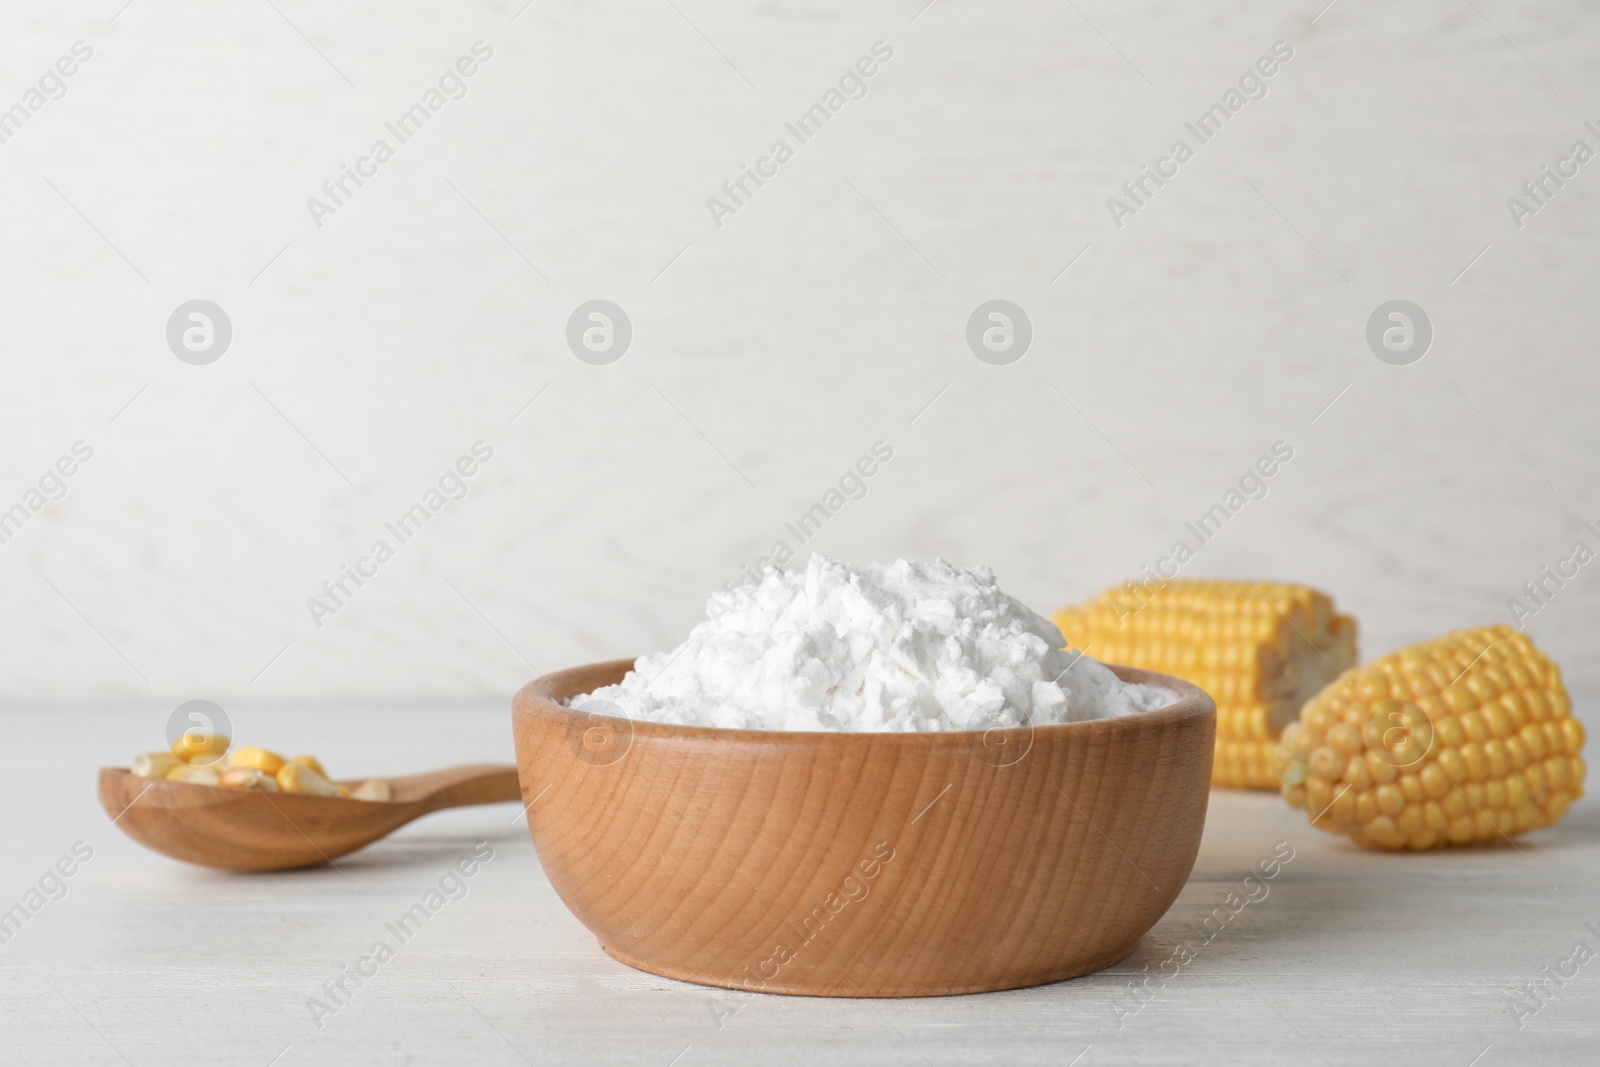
<point x="1350" y="957"/>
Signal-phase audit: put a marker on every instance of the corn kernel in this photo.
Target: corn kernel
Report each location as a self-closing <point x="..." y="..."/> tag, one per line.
<point x="1482" y="686"/>
<point x="1446" y="728"/>
<point x="1517" y="791"/>
<point x="1318" y="794"/>
<point x="1499" y="760"/>
<point x="195" y="747"/>
<point x="1327" y="763"/>
<point x="1555" y="772"/>
<point x="1499" y="722"/>
<point x="258" y="758"/>
<point x="247" y="778"/>
<point x="311" y="762"/>
<point x="1346" y="739"/>
<point x="374" y="790"/>
<point x="154" y="764"/>
<point x="1391" y="801"/>
<point x="1572" y="735"/>
<point x="193" y="774"/>
<point x="1435" y="781"/>
<point x="296" y="777"/>
<point x="1410" y="821"/>
<point x="1382" y="770"/>
<point x="1356" y="773"/>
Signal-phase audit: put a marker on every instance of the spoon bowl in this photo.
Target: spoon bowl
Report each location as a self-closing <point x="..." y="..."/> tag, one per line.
<point x="257" y="830"/>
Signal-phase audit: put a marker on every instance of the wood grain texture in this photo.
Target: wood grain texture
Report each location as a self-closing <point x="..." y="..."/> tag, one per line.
<point x="256" y="830"/>
<point x="1191" y="337"/>
<point x="878" y="865"/>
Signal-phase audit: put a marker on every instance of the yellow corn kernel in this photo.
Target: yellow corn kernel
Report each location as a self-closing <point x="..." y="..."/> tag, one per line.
<point x="1572" y="734"/>
<point x="1499" y="760"/>
<point x="1463" y="740"/>
<point x="154" y="764"/>
<point x="194" y="774"/>
<point x="1391" y="801"/>
<point x="1447" y="729"/>
<point x="1435" y="782"/>
<point x="1346" y="738"/>
<point x="257" y="758"/>
<point x="296" y="777"/>
<point x="1533" y="743"/>
<point x="374" y="789"/>
<point x="312" y="763"/>
<point x="248" y="778"/>
<point x="1261" y="649"/>
<point x="1381" y="769"/>
<point x="1327" y="763"/>
<point x="195" y="747"/>
<point x="1356" y="773"/>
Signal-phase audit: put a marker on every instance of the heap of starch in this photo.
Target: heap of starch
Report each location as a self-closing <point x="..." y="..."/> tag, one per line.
<point x="884" y="647"/>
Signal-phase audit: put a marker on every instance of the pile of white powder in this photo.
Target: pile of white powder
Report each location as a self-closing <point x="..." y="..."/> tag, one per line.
<point x="883" y="647"/>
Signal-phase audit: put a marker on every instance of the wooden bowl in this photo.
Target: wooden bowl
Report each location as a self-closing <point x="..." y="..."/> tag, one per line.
<point x="866" y="864"/>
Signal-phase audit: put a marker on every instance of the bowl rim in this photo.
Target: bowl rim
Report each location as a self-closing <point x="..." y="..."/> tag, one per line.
<point x="1192" y="703"/>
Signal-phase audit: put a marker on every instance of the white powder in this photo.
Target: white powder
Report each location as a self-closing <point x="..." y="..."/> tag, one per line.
<point x="884" y="647"/>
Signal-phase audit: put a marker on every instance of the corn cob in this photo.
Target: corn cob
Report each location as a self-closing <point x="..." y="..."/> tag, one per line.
<point x="1458" y="740"/>
<point x="1261" y="649"/>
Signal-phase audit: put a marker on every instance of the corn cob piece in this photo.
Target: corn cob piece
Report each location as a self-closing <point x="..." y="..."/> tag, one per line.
<point x="1261" y="649"/>
<point x="1456" y="741"/>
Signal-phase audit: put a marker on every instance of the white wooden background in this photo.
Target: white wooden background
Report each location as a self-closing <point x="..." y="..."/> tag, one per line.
<point x="768" y="355"/>
<point x="821" y="318"/>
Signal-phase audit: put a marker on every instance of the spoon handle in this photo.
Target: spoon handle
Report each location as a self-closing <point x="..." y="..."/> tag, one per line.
<point x="456" y="787"/>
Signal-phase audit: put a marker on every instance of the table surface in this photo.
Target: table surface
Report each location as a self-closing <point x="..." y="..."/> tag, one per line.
<point x="1349" y="956"/>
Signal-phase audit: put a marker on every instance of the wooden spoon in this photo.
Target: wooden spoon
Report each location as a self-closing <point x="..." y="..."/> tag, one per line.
<point x="256" y="830"/>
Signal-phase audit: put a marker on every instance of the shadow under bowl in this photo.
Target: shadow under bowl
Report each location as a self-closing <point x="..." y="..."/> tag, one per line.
<point x="864" y="864"/>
